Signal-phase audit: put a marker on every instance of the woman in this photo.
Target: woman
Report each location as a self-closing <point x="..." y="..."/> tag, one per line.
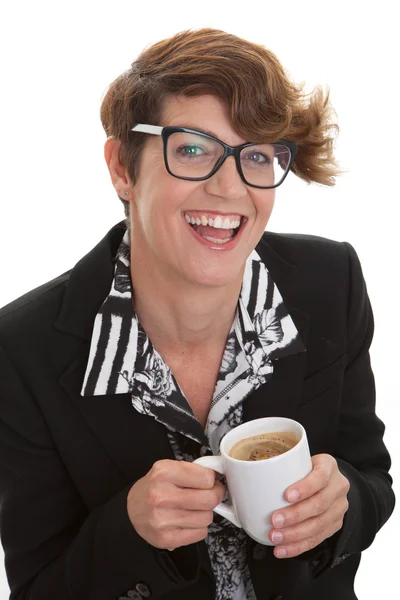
<point x="183" y="322"/>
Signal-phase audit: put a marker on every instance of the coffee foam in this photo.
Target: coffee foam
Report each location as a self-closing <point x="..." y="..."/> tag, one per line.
<point x="264" y="446"/>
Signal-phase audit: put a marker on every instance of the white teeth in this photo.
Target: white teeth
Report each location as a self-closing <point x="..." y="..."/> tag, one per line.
<point x="219" y="222"/>
<point x="216" y="240"/>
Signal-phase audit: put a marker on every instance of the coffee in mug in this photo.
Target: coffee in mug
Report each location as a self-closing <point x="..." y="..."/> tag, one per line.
<point x="264" y="445"/>
<point x="257" y="486"/>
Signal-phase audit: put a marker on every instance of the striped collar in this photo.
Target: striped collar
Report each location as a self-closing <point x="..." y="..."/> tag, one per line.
<point x="262" y="327"/>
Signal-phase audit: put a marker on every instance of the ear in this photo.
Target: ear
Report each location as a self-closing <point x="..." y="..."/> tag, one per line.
<point x="119" y="176"/>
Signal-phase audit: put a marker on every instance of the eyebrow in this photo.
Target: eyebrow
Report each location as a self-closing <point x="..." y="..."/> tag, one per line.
<point x="208" y="132"/>
<point x="201" y="130"/>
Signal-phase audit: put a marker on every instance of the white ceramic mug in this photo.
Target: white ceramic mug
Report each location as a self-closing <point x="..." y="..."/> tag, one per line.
<point x="257" y="488"/>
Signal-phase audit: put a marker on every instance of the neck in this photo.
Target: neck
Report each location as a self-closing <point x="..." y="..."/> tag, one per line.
<point x="178" y="313"/>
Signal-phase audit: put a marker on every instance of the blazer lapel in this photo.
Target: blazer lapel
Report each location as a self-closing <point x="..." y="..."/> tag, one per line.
<point x="280" y="395"/>
<point x="132" y="441"/>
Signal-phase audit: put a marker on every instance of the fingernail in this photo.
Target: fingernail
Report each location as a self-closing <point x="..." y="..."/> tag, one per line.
<point x="281" y="553"/>
<point x="278" y="520"/>
<point x="277" y="537"/>
<point x="293" y="495"/>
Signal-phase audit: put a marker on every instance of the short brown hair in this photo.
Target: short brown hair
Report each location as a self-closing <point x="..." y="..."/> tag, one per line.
<point x="265" y="104"/>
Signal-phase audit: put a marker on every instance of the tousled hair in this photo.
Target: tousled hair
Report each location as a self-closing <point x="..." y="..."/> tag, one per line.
<point x="265" y="104"/>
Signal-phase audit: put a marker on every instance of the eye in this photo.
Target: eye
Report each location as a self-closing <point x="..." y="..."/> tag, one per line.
<point x="190" y="151"/>
<point x="257" y="157"/>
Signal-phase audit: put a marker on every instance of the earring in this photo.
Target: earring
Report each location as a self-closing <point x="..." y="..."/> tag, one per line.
<point x="126" y="193"/>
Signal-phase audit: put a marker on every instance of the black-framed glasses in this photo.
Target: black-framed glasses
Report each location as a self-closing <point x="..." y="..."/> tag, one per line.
<point x="196" y="156"/>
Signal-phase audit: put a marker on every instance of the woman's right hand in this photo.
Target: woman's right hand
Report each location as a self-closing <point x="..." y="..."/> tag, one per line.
<point x="173" y="504"/>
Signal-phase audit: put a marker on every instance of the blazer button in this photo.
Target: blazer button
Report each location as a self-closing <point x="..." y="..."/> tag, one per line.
<point x="134" y="595"/>
<point x="259" y="553"/>
<point x="339" y="559"/>
<point x="143" y="590"/>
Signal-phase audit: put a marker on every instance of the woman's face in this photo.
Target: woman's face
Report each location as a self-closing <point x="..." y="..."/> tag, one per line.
<point x="161" y="205"/>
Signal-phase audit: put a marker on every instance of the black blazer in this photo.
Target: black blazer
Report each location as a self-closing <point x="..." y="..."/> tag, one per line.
<point x="67" y="462"/>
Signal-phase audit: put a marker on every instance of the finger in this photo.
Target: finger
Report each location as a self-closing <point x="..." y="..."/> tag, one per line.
<point x="193" y="519"/>
<point x="297" y="548"/>
<point x="165" y="497"/>
<point x="311" y="527"/>
<point x="180" y="519"/>
<point x="306" y="509"/>
<point x="323" y="466"/>
<point x="183" y="474"/>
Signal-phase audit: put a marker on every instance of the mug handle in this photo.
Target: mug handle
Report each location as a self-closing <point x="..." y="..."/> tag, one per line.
<point x="225" y="509"/>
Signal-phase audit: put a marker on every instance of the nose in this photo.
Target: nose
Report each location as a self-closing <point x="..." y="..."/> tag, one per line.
<point x="226" y="183"/>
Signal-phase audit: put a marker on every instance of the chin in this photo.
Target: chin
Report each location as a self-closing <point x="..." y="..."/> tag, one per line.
<point x="214" y="278"/>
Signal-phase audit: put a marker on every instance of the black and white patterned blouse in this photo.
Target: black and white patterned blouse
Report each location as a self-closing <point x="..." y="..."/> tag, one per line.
<point x="122" y="359"/>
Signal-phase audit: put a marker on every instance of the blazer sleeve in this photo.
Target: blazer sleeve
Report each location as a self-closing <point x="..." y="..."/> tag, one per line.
<point x="360" y="452"/>
<point x="53" y="547"/>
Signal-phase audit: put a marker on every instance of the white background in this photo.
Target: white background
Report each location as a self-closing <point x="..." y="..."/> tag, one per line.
<point x="57" y="59"/>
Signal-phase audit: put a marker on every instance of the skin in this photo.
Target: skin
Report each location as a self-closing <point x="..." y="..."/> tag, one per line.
<point x="197" y="290"/>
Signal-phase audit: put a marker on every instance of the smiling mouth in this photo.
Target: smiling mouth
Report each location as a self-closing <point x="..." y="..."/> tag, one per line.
<point x="217" y="229"/>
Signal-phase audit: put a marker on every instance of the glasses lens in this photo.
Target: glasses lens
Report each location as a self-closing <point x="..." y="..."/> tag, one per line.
<point x="192" y="155"/>
<point x="265" y="165"/>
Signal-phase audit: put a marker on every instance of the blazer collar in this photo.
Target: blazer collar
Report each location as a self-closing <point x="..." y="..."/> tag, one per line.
<point x="88" y="285"/>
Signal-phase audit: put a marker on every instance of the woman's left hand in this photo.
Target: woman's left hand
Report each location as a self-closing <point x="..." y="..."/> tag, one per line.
<point x="318" y="505"/>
